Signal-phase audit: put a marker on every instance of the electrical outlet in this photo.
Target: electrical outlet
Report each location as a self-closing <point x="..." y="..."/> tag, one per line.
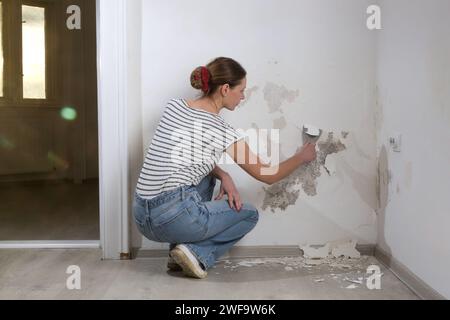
<point x="396" y="142"/>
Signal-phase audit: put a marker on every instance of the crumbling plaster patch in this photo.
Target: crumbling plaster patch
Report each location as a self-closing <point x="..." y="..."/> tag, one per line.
<point x="275" y="95"/>
<point x="282" y="194"/>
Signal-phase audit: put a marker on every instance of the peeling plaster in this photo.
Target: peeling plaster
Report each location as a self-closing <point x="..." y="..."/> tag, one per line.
<point x="334" y="249"/>
<point x="310" y="252"/>
<point x="345" y="249"/>
<point x="275" y="95"/>
<point x="282" y="194"/>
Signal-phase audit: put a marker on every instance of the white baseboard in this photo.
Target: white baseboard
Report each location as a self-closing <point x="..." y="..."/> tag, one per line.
<point x="239" y="252"/>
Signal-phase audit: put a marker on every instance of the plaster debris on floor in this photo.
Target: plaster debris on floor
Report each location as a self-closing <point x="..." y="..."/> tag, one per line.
<point x="316" y="253"/>
<point x="337" y="261"/>
<point x="344" y="249"/>
<point x="336" y="249"/>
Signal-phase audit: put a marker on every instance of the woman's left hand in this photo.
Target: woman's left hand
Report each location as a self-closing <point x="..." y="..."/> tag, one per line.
<point x="227" y="186"/>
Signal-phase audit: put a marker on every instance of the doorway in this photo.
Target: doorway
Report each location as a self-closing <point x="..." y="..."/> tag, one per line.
<point x="49" y="172"/>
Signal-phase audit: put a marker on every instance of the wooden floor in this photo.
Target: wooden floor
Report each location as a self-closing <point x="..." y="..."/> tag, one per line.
<point x="51" y="211"/>
<point x="41" y="274"/>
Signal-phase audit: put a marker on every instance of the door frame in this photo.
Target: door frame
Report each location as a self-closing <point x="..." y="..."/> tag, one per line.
<point x="112" y="134"/>
<point x="113" y="137"/>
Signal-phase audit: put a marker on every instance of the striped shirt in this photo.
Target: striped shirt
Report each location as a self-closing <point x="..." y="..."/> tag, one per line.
<point x="185" y="148"/>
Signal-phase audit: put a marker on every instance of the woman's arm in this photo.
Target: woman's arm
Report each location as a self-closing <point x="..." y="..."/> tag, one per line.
<point x="241" y="153"/>
<point x="218" y="173"/>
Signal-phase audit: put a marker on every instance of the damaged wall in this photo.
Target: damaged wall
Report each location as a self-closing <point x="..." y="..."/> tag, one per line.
<point x="414" y="101"/>
<point x="307" y="62"/>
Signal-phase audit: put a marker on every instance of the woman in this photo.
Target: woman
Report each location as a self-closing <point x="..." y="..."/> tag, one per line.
<point x="173" y="201"/>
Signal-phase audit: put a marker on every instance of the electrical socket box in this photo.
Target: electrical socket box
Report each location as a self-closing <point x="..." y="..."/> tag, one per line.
<point x="396" y="142"/>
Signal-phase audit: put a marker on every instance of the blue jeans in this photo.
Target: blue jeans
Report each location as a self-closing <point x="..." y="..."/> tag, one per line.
<point x="186" y="215"/>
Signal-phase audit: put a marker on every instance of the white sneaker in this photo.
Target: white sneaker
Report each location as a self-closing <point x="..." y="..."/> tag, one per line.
<point x="172" y="265"/>
<point x="188" y="262"/>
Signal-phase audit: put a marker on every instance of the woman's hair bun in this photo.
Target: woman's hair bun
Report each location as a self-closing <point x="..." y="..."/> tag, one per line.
<point x="200" y="78"/>
<point x="218" y="72"/>
<point x="196" y="78"/>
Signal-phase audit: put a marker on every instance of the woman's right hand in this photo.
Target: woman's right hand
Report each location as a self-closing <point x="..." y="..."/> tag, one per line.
<point x="227" y="186"/>
<point x="308" y="152"/>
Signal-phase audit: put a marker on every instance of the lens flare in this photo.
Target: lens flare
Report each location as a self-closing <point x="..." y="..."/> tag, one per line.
<point x="68" y="113"/>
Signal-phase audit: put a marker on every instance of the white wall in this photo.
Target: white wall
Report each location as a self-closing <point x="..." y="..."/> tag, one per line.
<point x="323" y="51"/>
<point x="414" y="100"/>
<point x="134" y="102"/>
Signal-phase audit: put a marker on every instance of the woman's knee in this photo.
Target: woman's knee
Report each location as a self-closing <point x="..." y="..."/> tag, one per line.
<point x="253" y="213"/>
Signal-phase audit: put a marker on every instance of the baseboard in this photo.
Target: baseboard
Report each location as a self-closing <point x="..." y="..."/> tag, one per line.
<point x="240" y="252"/>
<point x="413" y="282"/>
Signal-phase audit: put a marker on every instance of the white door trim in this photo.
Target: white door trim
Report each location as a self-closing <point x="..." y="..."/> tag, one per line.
<point x="113" y="146"/>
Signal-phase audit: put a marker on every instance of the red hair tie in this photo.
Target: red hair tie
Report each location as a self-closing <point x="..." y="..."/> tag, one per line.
<point x="205" y="79"/>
